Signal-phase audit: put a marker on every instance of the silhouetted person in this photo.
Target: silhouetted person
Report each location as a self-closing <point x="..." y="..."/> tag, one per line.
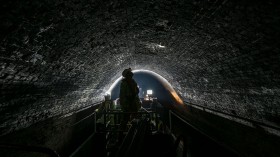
<point x="128" y="92"/>
<point x="129" y="100"/>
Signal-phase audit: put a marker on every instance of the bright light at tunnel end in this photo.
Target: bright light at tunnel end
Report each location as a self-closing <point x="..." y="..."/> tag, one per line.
<point x="175" y="95"/>
<point x="138" y="70"/>
<point x="150" y="92"/>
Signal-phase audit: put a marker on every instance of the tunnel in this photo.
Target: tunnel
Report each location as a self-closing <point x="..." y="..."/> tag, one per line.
<point x="221" y="58"/>
<point x="148" y="80"/>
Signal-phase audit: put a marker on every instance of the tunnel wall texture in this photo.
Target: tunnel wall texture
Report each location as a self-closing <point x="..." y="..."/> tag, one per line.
<point x="58" y="56"/>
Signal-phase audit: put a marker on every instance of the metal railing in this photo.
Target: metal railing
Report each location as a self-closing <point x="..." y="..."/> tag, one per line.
<point x="112" y="117"/>
<point x="128" y="134"/>
<point x="45" y="150"/>
<point x="177" y="142"/>
<point x="254" y="122"/>
<point x="197" y="130"/>
<point x="83" y="108"/>
<point x="134" y="140"/>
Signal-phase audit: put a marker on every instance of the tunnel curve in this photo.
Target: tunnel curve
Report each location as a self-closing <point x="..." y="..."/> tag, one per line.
<point x="58" y="56"/>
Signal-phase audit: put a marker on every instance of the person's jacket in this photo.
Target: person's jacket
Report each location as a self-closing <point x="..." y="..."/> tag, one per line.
<point x="129" y="95"/>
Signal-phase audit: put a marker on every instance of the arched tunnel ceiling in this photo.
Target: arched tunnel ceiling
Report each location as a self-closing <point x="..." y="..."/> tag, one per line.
<point x="57" y="56"/>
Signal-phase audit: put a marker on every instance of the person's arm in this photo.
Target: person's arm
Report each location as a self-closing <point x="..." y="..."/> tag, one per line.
<point x="136" y="87"/>
<point x="122" y="93"/>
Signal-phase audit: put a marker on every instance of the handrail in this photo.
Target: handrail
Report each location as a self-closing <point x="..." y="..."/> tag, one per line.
<point x="83" y="108"/>
<point x="176" y="145"/>
<point x="82" y="145"/>
<point x="38" y="149"/>
<point x="137" y="140"/>
<point x="133" y="140"/>
<point x="235" y="116"/>
<point x="93" y="113"/>
<point x="80" y="109"/>
<point x="46" y="150"/>
<point x="126" y="142"/>
<point x="196" y="129"/>
<point x="121" y="112"/>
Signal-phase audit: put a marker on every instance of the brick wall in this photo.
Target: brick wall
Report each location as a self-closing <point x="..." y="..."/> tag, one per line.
<point x="57" y="56"/>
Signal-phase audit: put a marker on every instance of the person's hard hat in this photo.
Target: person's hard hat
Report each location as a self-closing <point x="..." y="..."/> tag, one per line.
<point x="126" y="72"/>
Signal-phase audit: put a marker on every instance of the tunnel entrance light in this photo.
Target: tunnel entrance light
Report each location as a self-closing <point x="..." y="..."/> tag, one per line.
<point x="149" y="92"/>
<point x="163" y="81"/>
